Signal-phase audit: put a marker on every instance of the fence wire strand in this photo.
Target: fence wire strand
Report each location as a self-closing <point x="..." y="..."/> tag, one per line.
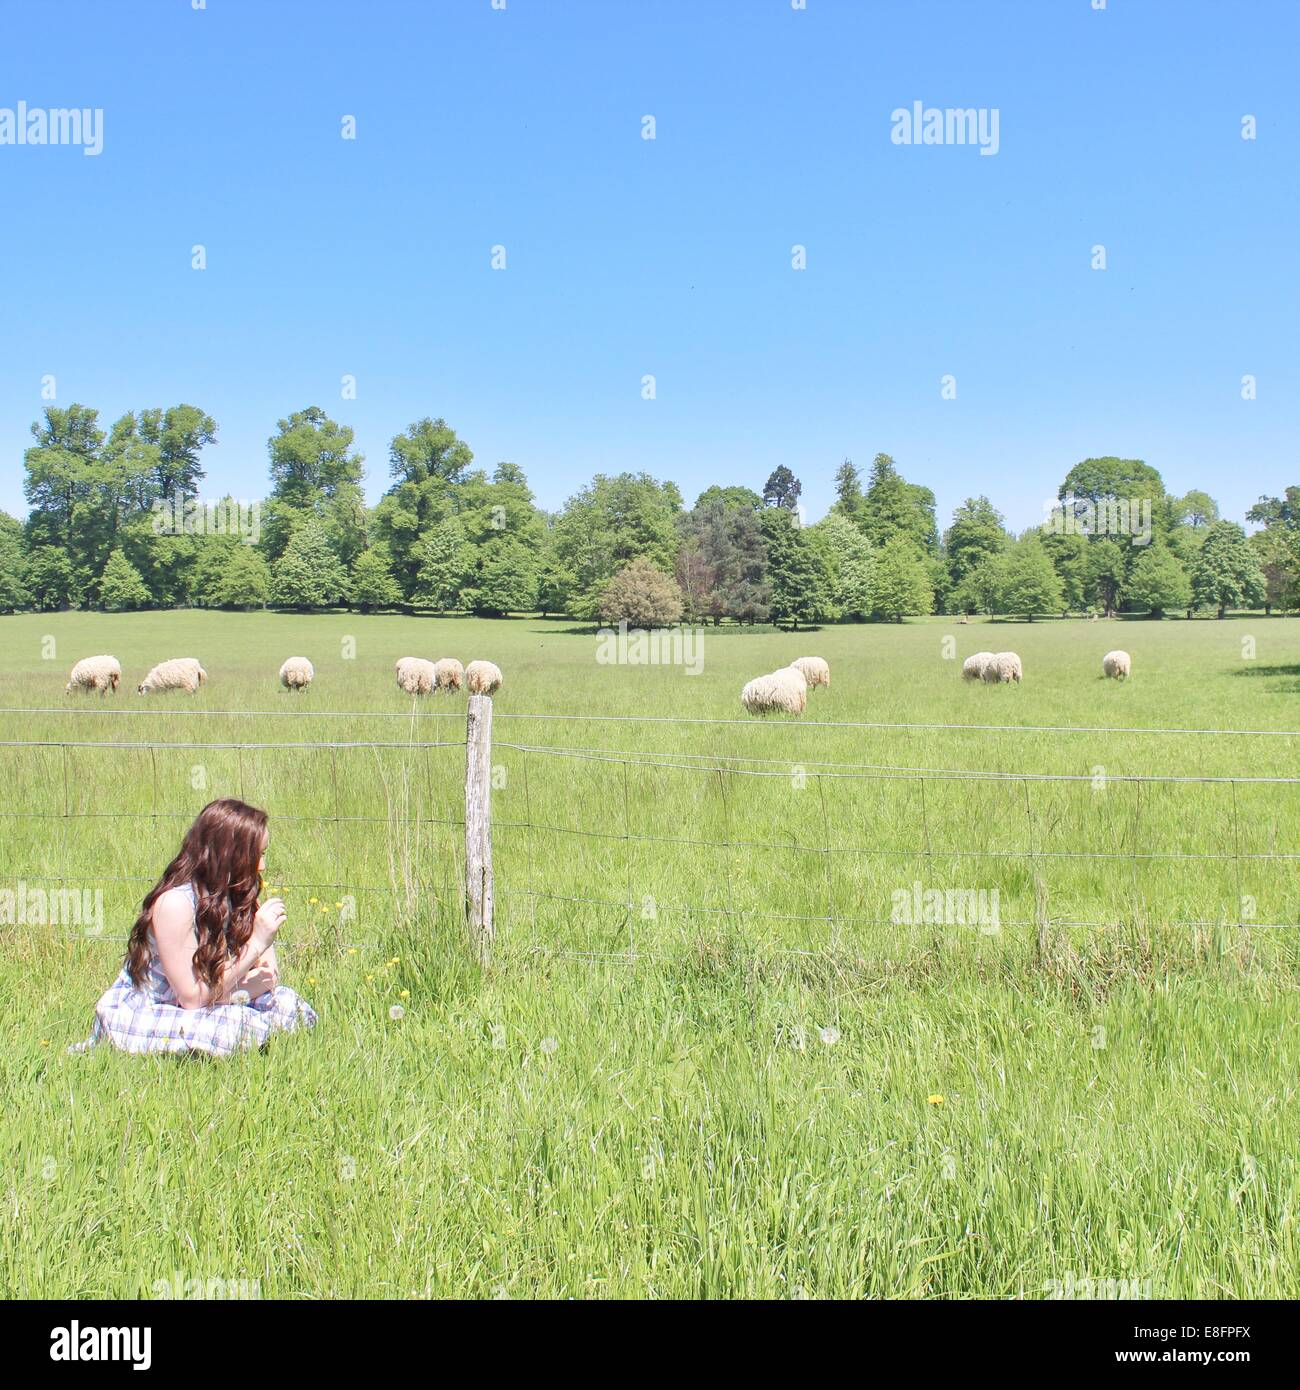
<point x="726" y="769"/>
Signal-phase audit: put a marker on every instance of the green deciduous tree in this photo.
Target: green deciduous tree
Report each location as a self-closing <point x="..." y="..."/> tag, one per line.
<point x="901" y="581"/>
<point x="445" y="563"/>
<point x="121" y="589"/>
<point x="14" y="594"/>
<point x="230" y="574"/>
<point x="796" y="572"/>
<point x="977" y="531"/>
<point x="1030" y="584"/>
<point x="373" y="585"/>
<point x="1159" y="581"/>
<point x="309" y="574"/>
<point x="1226" y="571"/>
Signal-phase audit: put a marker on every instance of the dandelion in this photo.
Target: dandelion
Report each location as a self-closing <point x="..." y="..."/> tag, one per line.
<point x="550" y="1046"/>
<point x="935" y="1100"/>
<point x="338" y="904"/>
<point x="240" y="996"/>
<point x="45" y="1042"/>
<point x="369" y="979"/>
<point x="405" y="994"/>
<point x="311" y="979"/>
<point x="352" y="950"/>
<point x="830" y="1036"/>
<point x="396" y="1012"/>
<point x="313" y="901"/>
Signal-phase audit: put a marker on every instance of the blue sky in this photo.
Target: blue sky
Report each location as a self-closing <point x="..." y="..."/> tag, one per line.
<point x="479" y="127"/>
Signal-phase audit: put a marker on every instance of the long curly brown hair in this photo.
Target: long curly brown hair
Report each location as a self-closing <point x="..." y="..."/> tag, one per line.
<point x="219" y="857"/>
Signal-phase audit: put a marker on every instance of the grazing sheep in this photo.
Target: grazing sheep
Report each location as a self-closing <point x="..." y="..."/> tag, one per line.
<point x="815" y="671"/>
<point x="180" y="673"/>
<point x="415" y="675"/>
<point x="100" y="673"/>
<point x="448" y="674"/>
<point x="1004" y="667"/>
<point x="781" y="692"/>
<point x="482" y="678"/>
<point x="1117" y="665"/>
<point x="974" y="667"/>
<point x="297" y="673"/>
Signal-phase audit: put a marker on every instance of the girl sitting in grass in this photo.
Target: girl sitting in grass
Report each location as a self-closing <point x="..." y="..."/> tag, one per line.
<point x="201" y="973"/>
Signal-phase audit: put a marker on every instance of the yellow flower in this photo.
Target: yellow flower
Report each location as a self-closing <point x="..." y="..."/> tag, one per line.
<point x="370" y="977"/>
<point x="935" y="1100"/>
<point x="311" y="979"/>
<point x="404" y="994"/>
<point x="352" y="950"/>
<point x="45" y="1042"/>
<point x="338" y="904"/>
<point x="313" y="900"/>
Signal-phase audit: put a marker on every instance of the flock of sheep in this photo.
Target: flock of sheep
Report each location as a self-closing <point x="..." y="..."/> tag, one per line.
<point x="786" y="691"/>
<point x="104" y="673"/>
<point x="779" y="692"/>
<point x="415" y="675"/>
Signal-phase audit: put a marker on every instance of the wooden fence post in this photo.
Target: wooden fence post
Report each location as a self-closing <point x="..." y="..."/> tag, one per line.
<point x="478" y="825"/>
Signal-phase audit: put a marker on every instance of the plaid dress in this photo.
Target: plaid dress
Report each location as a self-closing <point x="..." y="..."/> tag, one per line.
<point x="148" y="1018"/>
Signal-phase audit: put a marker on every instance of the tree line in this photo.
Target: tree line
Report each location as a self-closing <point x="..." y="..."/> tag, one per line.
<point x="115" y="524"/>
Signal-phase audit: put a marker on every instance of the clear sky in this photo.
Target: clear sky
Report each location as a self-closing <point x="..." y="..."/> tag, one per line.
<point x="522" y="127"/>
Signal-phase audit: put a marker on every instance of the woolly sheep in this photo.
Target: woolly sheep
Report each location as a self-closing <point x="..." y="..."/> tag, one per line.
<point x="448" y="674"/>
<point x="781" y="692"/>
<point x="974" y="667"/>
<point x="1117" y="665"/>
<point x="482" y="678"/>
<point x="1004" y="667"/>
<point x="100" y="673"/>
<point x="415" y="675"/>
<point x="814" y="670"/>
<point x="180" y="673"/>
<point x="297" y="673"/>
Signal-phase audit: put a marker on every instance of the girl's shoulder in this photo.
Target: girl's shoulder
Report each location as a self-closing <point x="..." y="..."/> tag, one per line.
<point x="181" y="892"/>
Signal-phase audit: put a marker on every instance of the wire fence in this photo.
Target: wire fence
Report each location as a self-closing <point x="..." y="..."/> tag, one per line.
<point x="597" y="849"/>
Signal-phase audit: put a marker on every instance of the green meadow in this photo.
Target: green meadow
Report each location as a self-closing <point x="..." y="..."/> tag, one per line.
<point x="718" y="1050"/>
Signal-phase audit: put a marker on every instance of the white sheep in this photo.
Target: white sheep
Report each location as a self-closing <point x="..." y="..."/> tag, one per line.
<point x="1117" y="665"/>
<point x="780" y="692"/>
<point x="448" y="674"/>
<point x="974" y="667"/>
<point x="102" y="673"/>
<point x="482" y="678"/>
<point x="1004" y="667"/>
<point x="415" y="675"/>
<point x="180" y="673"/>
<point x="814" y="669"/>
<point x="297" y="673"/>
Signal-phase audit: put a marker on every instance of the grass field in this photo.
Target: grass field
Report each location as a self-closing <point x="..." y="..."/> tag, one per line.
<point x="749" y="1082"/>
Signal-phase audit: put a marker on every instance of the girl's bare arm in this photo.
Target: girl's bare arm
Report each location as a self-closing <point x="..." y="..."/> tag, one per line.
<point x="173" y="929"/>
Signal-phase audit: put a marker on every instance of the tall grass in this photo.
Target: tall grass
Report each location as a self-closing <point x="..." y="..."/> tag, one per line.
<point x="748" y="1082"/>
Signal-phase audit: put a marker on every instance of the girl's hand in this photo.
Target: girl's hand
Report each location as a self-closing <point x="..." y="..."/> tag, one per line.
<point x="261" y="979"/>
<point x="269" y="920"/>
